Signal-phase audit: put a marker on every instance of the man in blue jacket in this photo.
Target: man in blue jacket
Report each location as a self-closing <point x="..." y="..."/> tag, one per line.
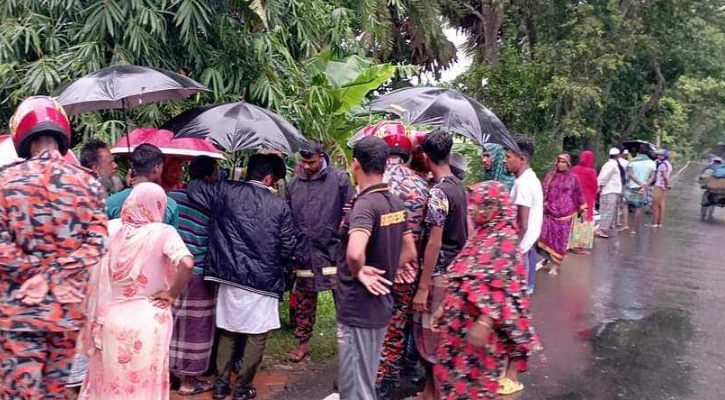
<point x="251" y="241"/>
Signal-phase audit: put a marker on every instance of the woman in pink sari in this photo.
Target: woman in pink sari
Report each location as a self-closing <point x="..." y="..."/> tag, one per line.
<point x="129" y="316"/>
<point x="563" y="201"/>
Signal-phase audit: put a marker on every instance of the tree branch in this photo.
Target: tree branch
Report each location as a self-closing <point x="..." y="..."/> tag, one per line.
<point x="651" y="103"/>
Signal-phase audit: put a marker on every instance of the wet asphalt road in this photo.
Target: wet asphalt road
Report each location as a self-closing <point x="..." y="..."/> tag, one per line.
<point x="640" y="318"/>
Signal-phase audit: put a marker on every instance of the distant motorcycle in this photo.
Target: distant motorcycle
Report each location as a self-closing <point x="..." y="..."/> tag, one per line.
<point x="712" y="180"/>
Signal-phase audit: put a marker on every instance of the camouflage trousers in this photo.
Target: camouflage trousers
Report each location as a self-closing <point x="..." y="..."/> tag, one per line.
<point x="303" y="311"/>
<point x="35" y="365"/>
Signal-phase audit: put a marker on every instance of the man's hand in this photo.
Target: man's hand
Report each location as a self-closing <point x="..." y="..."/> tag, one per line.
<point x="435" y="319"/>
<point x="420" y="302"/>
<point x="67" y="294"/>
<point x="33" y="290"/>
<point x="372" y="279"/>
<point x="162" y="299"/>
<point x="479" y="334"/>
<point x="406" y="274"/>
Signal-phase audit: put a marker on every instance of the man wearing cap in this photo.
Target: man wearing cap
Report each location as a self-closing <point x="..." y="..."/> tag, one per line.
<point x="610" y="191"/>
<point x="251" y="241"/>
<point x="52" y="231"/>
<point x="316" y="196"/>
<point x="412" y="190"/>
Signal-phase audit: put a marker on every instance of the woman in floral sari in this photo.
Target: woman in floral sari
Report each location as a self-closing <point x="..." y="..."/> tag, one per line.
<point x="563" y="201"/>
<point x="129" y="316"/>
<point x="485" y="318"/>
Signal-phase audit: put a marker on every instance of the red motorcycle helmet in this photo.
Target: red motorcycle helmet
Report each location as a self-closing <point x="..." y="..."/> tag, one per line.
<point x="400" y="145"/>
<point x="36" y="116"/>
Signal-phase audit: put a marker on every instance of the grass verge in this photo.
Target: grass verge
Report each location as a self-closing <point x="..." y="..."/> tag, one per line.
<point x="323" y="345"/>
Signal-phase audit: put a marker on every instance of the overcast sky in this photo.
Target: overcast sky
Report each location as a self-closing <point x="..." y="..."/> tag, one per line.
<point x="456" y="68"/>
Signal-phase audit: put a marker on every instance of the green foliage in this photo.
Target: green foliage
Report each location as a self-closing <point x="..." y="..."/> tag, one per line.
<point x="261" y="51"/>
<point x="593" y="73"/>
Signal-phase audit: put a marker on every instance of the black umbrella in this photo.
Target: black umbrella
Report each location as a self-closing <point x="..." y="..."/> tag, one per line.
<point x="237" y="126"/>
<point x="446" y="109"/>
<point x="125" y="87"/>
<point x="637" y="145"/>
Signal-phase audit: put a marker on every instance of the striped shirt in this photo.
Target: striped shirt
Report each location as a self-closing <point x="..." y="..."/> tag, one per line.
<point x="194" y="221"/>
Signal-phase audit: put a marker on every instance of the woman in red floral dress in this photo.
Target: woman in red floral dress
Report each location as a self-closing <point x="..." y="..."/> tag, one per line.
<point x="485" y="318"/>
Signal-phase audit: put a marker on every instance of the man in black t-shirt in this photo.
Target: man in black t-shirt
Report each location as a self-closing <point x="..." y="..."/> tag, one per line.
<point x="376" y="243"/>
<point x="445" y="234"/>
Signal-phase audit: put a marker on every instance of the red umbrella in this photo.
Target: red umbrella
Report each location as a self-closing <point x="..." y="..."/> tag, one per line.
<point x="164" y="140"/>
<point x="9" y="155"/>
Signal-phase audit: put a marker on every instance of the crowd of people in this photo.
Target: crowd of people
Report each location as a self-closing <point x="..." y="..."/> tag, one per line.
<point x="167" y="278"/>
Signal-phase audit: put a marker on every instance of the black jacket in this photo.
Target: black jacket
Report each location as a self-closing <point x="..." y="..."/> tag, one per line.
<point x="251" y="237"/>
<point x="316" y="206"/>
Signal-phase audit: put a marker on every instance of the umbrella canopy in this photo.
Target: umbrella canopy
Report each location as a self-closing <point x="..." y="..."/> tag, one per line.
<point x="446" y="109"/>
<point x="164" y="140"/>
<point x="8" y="155"/>
<point x="237" y="126"/>
<point x="125" y="86"/>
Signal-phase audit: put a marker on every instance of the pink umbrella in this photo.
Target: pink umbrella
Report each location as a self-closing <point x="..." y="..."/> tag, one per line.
<point x="9" y="155"/>
<point x="164" y="140"/>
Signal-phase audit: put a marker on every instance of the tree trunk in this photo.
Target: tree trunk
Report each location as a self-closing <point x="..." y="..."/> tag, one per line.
<point x="597" y="142"/>
<point x="651" y="103"/>
<point x="529" y="25"/>
<point x="492" y="12"/>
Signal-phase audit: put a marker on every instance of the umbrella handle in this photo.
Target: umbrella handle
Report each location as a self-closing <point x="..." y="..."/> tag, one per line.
<point x="128" y="125"/>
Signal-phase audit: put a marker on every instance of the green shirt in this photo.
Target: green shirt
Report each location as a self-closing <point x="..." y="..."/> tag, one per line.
<point x="114" y="204"/>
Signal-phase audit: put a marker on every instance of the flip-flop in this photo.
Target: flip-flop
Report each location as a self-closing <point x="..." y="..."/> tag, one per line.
<point x="199" y="387"/>
<point x="508" y="387"/>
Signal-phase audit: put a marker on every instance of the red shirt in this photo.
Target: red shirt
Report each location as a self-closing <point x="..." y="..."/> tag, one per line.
<point x="52" y="222"/>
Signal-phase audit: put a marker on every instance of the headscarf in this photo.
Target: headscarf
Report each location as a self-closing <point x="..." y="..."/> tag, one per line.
<point x="562" y="191"/>
<point x="498" y="170"/>
<point x="554" y="173"/>
<point x="132" y="240"/>
<point x="492" y="248"/>
<point x="587" y="175"/>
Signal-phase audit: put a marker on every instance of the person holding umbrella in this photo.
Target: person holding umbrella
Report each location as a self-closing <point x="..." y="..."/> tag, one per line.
<point x="252" y="239"/>
<point x="194" y="320"/>
<point x="147" y="165"/>
<point x="316" y="197"/>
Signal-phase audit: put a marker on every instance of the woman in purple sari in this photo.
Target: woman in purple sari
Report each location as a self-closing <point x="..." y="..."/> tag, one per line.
<point x="563" y="201"/>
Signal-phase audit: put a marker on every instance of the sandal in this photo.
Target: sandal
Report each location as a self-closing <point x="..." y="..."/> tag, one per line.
<point x="199" y="387"/>
<point x="601" y="235"/>
<point x="245" y="394"/>
<point x="507" y="387"/>
<point x="553" y="272"/>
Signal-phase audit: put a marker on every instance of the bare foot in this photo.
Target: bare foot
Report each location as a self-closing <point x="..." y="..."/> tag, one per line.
<point x="300" y="352"/>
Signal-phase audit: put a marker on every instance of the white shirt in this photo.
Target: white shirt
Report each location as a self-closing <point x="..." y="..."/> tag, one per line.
<point x="527" y="192"/>
<point x="242" y="311"/>
<point x="609" y="179"/>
